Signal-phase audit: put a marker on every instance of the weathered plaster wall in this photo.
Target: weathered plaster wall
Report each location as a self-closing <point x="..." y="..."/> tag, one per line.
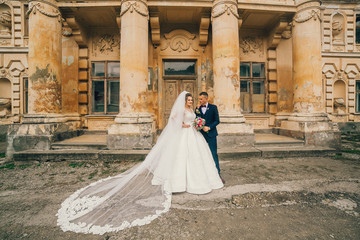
<point x="285" y="83"/>
<point x="45" y="59"/>
<point x="70" y="75"/>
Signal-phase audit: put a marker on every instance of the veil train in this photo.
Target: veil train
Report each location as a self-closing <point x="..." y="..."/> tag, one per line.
<point x="133" y="198"/>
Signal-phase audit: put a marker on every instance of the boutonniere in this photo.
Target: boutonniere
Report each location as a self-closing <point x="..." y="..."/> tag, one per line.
<point x="197" y="111"/>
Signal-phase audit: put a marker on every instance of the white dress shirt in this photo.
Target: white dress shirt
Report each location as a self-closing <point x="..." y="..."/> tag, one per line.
<point x="203" y="109"/>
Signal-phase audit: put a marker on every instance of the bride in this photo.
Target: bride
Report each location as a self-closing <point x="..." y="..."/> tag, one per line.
<point x="180" y="161"/>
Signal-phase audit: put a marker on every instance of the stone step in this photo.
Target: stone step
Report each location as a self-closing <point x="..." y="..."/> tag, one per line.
<point x="295" y="151"/>
<point x="79" y="146"/>
<point x="264" y="130"/>
<point x="274" y="140"/>
<point x="136" y="155"/>
<point x="94" y="132"/>
<point x="82" y="142"/>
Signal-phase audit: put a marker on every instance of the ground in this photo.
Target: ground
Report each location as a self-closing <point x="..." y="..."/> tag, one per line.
<point x="274" y="198"/>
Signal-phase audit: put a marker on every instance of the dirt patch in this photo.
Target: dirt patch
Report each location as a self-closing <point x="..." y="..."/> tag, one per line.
<point x="31" y="194"/>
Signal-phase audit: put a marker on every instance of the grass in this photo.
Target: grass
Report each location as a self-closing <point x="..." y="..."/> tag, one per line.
<point x="24" y="166"/>
<point x="93" y="174"/>
<point x="77" y="164"/>
<point x="8" y="166"/>
<point x="353" y="151"/>
<point x="2" y="155"/>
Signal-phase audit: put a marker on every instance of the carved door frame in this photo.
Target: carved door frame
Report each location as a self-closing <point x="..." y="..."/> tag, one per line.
<point x="180" y="81"/>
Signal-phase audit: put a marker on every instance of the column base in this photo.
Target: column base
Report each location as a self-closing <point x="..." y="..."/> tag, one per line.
<point x="131" y="131"/>
<point x="315" y="129"/>
<point x="234" y="132"/>
<point x="39" y="131"/>
<point x="279" y="117"/>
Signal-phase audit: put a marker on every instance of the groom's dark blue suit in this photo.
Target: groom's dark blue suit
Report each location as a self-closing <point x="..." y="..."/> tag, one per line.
<point x="211" y="117"/>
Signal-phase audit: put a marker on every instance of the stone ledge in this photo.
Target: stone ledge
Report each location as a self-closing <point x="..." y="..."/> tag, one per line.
<point x="140" y="155"/>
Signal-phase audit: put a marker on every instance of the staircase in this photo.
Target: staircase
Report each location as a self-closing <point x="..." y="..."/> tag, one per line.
<point x="92" y="146"/>
<point x="94" y="140"/>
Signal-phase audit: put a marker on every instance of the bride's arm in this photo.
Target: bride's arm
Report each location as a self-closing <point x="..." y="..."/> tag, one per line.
<point x="183" y="124"/>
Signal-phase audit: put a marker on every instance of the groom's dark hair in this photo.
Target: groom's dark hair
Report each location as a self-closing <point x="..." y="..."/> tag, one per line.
<point x="204" y="94"/>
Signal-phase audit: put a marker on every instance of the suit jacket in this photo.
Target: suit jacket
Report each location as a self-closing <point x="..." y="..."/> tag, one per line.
<point x="211" y="117"/>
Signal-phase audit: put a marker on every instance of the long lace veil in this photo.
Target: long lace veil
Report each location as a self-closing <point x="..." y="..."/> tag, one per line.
<point x="133" y="198"/>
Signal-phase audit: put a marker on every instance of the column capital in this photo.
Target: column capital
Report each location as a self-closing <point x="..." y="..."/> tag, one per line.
<point x="224" y="6"/>
<point x="47" y="8"/>
<point x="139" y="6"/>
<point x="306" y="10"/>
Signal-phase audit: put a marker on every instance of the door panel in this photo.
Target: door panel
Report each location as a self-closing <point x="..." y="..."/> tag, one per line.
<point x="172" y="89"/>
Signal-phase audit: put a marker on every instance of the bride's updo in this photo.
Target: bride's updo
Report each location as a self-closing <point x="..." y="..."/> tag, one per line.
<point x="187" y="95"/>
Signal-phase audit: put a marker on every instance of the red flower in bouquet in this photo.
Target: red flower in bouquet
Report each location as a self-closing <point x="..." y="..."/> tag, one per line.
<point x="199" y="123"/>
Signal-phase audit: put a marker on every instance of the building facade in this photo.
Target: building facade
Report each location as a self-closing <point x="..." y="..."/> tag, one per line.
<point x="118" y="66"/>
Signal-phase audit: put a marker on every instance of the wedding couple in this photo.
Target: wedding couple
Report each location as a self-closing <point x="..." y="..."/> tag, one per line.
<point x="183" y="159"/>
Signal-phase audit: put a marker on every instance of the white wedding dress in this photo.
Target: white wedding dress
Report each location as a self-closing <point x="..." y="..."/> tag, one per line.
<point x="193" y="168"/>
<point x="180" y="161"/>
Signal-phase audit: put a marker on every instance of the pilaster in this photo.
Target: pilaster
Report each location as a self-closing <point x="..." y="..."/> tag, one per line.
<point x="233" y="131"/>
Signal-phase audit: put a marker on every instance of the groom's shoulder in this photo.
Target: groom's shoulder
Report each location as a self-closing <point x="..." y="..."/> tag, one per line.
<point x="212" y="105"/>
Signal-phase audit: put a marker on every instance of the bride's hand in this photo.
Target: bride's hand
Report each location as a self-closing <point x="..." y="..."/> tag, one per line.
<point x="185" y="125"/>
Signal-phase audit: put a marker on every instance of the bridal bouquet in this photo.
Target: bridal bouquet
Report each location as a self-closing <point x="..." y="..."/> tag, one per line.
<point x="199" y="123"/>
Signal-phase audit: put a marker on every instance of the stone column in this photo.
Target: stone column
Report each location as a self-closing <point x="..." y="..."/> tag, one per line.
<point x="44" y="123"/>
<point x="309" y="120"/>
<point x="134" y="125"/>
<point x="233" y="131"/>
<point x="45" y="53"/>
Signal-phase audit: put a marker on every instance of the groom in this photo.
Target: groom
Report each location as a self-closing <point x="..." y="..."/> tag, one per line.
<point x="210" y="113"/>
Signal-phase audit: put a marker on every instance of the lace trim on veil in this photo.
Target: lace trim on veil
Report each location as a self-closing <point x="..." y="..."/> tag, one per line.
<point x="74" y="207"/>
<point x="133" y="198"/>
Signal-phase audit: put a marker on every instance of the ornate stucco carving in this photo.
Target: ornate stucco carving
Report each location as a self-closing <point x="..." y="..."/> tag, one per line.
<point x="5" y="73"/>
<point x="305" y="16"/>
<point x="5" y="21"/>
<point x="5" y="42"/>
<point x="204" y="30"/>
<point x="251" y="44"/>
<point x="276" y="33"/>
<point x="138" y="6"/>
<point x="76" y="30"/>
<point x="337" y="28"/>
<point x="106" y="43"/>
<point x="35" y="7"/>
<point x="155" y="30"/>
<point x="287" y="33"/>
<point x="66" y="30"/>
<point x="228" y="7"/>
<point x="179" y="41"/>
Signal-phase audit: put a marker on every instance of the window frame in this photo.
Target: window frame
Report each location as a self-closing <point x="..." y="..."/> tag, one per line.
<point x="25" y="22"/>
<point x="251" y="80"/>
<point x="182" y="77"/>
<point x="106" y="79"/>
<point x="357" y="41"/>
<point x="357" y="103"/>
<point x="25" y="94"/>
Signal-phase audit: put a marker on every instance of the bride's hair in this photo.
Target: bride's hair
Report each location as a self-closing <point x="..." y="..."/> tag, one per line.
<point x="187" y="95"/>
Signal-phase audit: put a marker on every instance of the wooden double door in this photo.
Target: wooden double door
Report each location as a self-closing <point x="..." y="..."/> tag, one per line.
<point x="173" y="88"/>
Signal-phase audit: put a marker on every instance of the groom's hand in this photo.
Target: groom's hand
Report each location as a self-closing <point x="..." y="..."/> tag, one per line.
<point x="206" y="129"/>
